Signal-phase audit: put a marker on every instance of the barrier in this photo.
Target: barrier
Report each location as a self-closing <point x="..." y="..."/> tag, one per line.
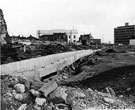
<point x="42" y="66"/>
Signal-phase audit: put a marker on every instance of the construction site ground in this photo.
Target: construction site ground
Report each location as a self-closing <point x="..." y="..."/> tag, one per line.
<point x="115" y="70"/>
<point x="104" y="80"/>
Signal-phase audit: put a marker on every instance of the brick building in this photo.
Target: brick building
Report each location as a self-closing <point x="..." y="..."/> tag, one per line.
<point x="59" y="35"/>
<point x="87" y="39"/>
<point x="123" y="34"/>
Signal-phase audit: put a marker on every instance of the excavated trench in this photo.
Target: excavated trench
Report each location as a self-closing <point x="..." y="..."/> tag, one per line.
<point x="121" y="80"/>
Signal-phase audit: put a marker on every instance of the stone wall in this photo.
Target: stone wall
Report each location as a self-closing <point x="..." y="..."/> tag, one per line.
<point x="3" y="29"/>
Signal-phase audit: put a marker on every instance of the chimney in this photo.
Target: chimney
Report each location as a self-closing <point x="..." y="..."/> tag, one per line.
<point x="126" y="24"/>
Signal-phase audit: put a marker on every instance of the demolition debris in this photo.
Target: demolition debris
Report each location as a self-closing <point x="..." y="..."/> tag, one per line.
<point x="92" y="82"/>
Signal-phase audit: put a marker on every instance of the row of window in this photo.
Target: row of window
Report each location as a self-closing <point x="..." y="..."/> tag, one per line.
<point x="70" y="36"/>
<point x="73" y="41"/>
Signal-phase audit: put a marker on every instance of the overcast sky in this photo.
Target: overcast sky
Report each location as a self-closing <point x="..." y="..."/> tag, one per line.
<point x="98" y="17"/>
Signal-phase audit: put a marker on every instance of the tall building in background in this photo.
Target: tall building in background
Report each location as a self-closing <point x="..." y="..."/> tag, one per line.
<point x="123" y="34"/>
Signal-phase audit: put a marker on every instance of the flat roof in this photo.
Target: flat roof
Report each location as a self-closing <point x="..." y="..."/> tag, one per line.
<point x="126" y="26"/>
<point x="50" y="32"/>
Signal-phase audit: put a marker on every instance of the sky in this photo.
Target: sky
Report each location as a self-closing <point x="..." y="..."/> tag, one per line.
<point x="98" y="17"/>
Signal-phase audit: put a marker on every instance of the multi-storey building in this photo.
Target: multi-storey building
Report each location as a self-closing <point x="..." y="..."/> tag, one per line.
<point x="123" y="34"/>
<point x="59" y="35"/>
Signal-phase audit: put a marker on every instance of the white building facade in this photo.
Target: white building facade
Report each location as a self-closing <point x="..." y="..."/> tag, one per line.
<point x="132" y="42"/>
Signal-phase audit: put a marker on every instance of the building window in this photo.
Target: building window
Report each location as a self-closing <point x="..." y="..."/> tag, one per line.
<point x="74" y="36"/>
<point x="69" y="37"/>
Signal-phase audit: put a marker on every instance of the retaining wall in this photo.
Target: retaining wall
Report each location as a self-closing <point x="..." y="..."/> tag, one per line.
<point x="41" y="66"/>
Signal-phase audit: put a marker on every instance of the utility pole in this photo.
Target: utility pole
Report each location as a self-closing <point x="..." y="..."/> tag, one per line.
<point x="38" y="33"/>
<point x="102" y="46"/>
<point x="103" y="38"/>
<point x="73" y="28"/>
<point x="73" y="32"/>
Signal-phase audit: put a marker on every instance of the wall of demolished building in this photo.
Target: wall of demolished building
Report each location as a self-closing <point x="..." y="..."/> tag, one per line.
<point x="4" y="38"/>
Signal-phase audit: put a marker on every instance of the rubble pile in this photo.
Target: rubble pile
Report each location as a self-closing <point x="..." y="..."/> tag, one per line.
<point x="52" y="48"/>
<point x="92" y="82"/>
<point x="20" y="94"/>
<point x="125" y="48"/>
<point x="12" y="53"/>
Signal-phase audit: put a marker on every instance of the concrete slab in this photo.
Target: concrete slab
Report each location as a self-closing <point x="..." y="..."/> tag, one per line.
<point x="47" y="88"/>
